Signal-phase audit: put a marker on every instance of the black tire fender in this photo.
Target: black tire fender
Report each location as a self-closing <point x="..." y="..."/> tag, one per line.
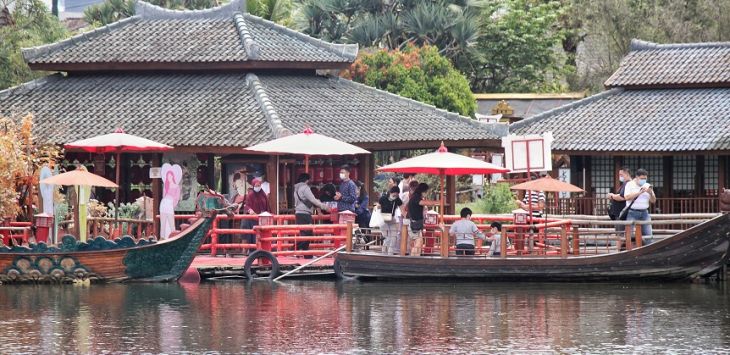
<point x="261" y="254"/>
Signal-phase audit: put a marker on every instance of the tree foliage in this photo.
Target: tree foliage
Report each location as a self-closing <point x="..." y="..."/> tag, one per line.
<point x="449" y="25"/>
<point x="20" y="161"/>
<point x="518" y="49"/>
<point x="32" y="25"/>
<point x="419" y="73"/>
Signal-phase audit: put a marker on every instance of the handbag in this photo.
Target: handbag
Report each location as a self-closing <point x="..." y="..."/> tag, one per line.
<point x="388" y="217"/>
<point x="416" y="225"/>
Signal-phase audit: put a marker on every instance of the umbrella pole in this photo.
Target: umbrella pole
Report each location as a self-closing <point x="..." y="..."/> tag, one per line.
<point x="119" y="186"/>
<point x="442" y="196"/>
<point x="306" y="164"/>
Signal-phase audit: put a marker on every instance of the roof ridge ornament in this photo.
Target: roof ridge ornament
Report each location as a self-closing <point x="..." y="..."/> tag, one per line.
<point x="249" y="45"/>
<point x="442" y="148"/>
<point x="641" y="45"/>
<point x="277" y="127"/>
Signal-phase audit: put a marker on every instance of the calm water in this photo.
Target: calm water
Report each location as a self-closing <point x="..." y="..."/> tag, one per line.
<point x="353" y="317"/>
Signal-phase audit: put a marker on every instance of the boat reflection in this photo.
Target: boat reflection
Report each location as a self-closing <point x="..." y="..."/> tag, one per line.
<point x="351" y="316"/>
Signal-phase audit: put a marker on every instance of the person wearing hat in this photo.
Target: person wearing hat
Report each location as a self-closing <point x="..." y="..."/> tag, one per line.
<point x="256" y="203"/>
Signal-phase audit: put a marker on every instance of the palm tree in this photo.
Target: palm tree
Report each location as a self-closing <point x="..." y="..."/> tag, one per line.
<point x="279" y="11"/>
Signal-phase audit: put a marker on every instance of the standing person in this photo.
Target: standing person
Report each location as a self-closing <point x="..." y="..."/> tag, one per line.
<point x="642" y="195"/>
<point x="415" y="213"/>
<point x="361" y="206"/>
<point x="347" y="196"/>
<point x="392" y="181"/>
<point x="390" y="204"/>
<point x="464" y="230"/>
<point x="617" y="200"/>
<point x="404" y="186"/>
<point x="256" y="203"/>
<point x="304" y="201"/>
<point x="533" y="200"/>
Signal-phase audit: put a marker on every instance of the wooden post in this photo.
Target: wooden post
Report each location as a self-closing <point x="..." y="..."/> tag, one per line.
<point x="638" y="235"/>
<point x="273" y="179"/>
<point x="214" y="237"/>
<point x="503" y="245"/>
<point x="563" y="242"/>
<point x="628" y="237"/>
<point x="451" y="194"/>
<point x="721" y="163"/>
<point x="156" y="194"/>
<point x="444" y="242"/>
<point x="367" y="167"/>
<point x="403" y="240"/>
<point x="576" y="241"/>
<point x="348" y="246"/>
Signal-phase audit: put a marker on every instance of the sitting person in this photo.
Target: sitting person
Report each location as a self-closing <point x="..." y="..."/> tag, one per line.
<point x="465" y="230"/>
<point x="495" y="249"/>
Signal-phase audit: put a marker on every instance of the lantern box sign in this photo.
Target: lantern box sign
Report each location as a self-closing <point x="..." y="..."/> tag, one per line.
<point x="266" y="219"/>
<point x="432" y="218"/>
<point x="521" y="216"/>
<point x="43" y="220"/>
<point x="155" y="173"/>
<point x="347" y="216"/>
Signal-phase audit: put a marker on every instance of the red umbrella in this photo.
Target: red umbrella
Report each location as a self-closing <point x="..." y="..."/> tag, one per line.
<point x="443" y="163"/>
<point x="307" y="143"/>
<point x="117" y="142"/>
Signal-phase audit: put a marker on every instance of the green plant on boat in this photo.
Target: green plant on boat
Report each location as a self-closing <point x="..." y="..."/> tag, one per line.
<point x="497" y="199"/>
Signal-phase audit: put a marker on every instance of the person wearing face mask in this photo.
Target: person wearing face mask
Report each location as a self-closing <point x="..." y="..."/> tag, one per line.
<point x="617" y="200"/>
<point x="347" y="196"/>
<point x="256" y="203"/>
<point x="390" y="205"/>
<point x="642" y="195"/>
<point x="464" y="230"/>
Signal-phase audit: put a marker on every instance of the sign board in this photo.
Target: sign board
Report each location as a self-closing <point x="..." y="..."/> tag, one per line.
<point x="498" y="160"/>
<point x="528" y="153"/>
<point x="155" y="173"/>
<point x="564" y="176"/>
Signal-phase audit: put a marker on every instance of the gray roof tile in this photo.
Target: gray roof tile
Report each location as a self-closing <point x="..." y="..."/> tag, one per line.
<point x="356" y="113"/>
<point x="672" y="65"/>
<point x="667" y="120"/>
<point x="222" y="34"/>
<point x="175" y="109"/>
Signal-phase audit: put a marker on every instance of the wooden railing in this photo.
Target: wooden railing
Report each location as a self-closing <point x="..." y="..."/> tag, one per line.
<point x="599" y="206"/>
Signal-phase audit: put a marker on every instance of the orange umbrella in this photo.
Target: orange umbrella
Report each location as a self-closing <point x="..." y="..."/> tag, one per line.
<point x="547" y="183"/>
<point x="78" y="178"/>
<point x="443" y="163"/>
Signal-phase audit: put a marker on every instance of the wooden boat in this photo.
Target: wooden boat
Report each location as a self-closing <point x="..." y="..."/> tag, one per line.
<point x="102" y="260"/>
<point x="697" y="252"/>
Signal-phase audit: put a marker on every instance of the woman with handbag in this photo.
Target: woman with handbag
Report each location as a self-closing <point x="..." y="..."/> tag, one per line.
<point x="416" y="214"/>
<point x="389" y="205"/>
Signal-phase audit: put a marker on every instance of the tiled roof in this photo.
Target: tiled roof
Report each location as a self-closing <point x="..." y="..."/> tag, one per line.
<point x="175" y="109"/>
<point x="218" y="35"/>
<point x="673" y="65"/>
<point x="356" y="113"/>
<point x="230" y="109"/>
<point x="651" y="120"/>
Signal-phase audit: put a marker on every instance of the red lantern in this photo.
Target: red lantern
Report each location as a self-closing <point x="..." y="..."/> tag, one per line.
<point x="43" y="224"/>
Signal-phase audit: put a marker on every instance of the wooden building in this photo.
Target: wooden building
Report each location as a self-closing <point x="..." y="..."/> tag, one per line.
<point x="211" y="83"/>
<point x="667" y="110"/>
<point x="517" y="106"/>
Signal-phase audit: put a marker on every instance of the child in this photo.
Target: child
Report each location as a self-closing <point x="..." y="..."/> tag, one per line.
<point x="496" y="239"/>
<point x="465" y="230"/>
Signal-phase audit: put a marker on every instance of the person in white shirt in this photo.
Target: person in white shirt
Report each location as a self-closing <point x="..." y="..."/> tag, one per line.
<point x="641" y="194"/>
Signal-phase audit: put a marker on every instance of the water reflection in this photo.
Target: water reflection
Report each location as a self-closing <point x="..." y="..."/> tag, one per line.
<point x="365" y="317"/>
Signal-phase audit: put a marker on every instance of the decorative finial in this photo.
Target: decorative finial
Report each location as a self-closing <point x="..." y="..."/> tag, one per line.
<point x="308" y="130"/>
<point x="442" y="148"/>
<point x="119" y="130"/>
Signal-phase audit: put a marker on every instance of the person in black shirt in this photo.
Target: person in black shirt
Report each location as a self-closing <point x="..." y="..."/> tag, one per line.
<point x="415" y="213"/>
<point x="617" y="200"/>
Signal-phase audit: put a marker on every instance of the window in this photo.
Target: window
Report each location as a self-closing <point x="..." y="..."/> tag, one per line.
<point x="684" y="173"/>
<point x="653" y="165"/>
<point x="602" y="179"/>
<point x="712" y="175"/>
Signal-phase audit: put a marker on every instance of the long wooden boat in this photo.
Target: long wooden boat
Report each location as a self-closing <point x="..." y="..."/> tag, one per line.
<point x="697" y="252"/>
<point x="102" y="260"/>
